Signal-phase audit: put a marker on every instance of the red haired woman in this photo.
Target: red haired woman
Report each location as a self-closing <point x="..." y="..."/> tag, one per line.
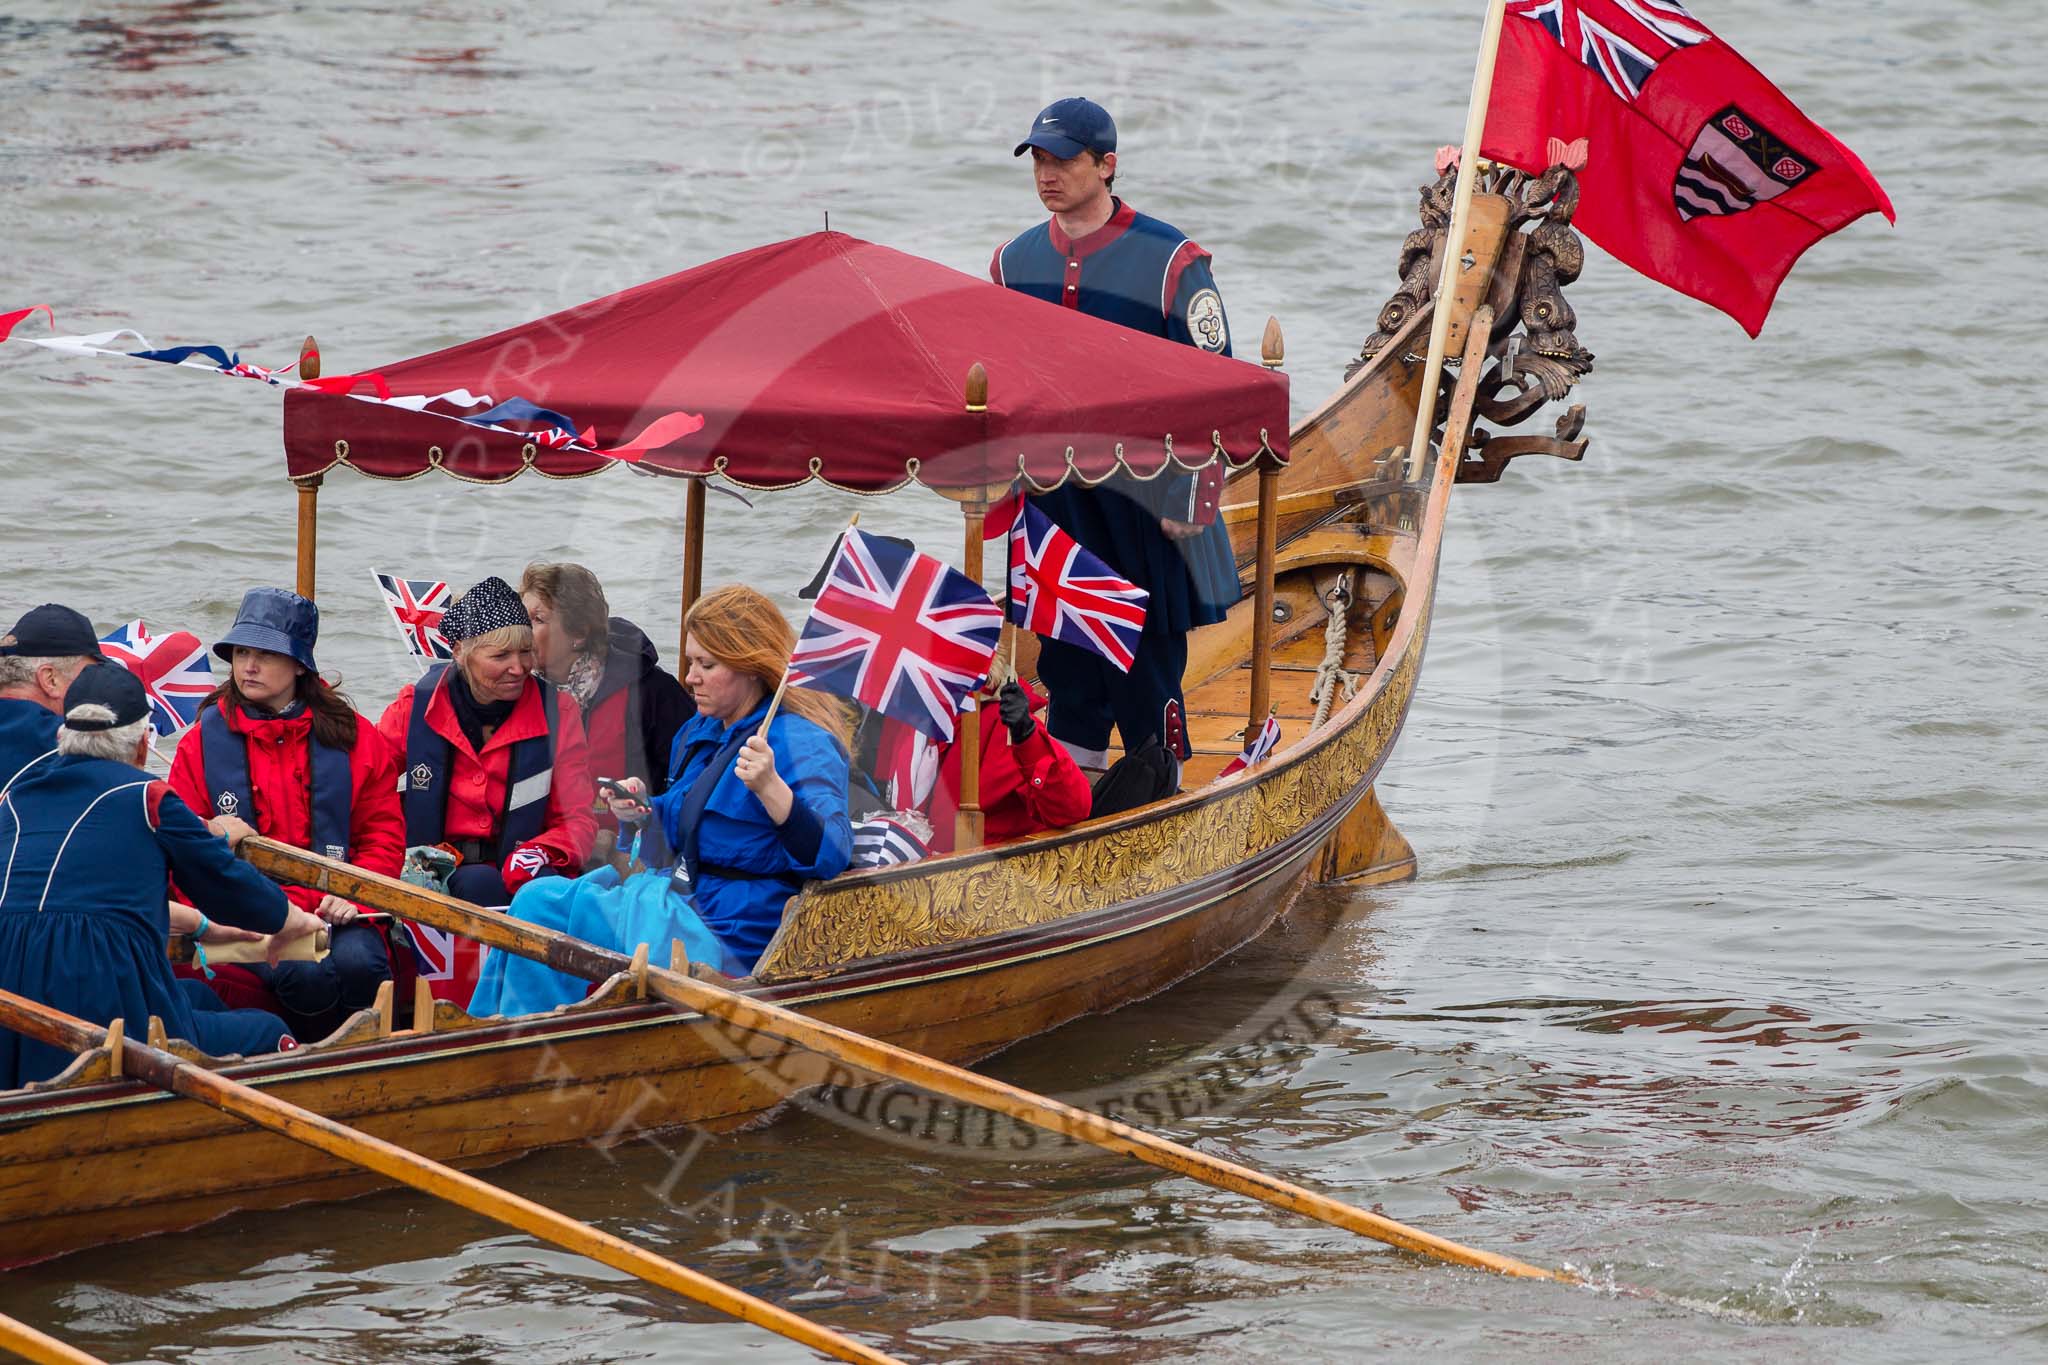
<point x="751" y="817"/>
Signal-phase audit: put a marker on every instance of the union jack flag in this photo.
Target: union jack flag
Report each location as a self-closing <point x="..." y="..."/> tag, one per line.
<point x="1620" y="41"/>
<point x="175" y="670"/>
<point x="449" y="962"/>
<point x="1059" y="590"/>
<point x="899" y="632"/>
<point x="1263" y="744"/>
<point x="416" y="604"/>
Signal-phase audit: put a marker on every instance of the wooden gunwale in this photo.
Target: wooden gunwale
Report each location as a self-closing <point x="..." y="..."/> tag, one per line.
<point x="919" y="966"/>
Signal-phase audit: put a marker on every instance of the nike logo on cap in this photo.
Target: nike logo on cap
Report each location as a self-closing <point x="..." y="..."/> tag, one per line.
<point x="1048" y="120"/>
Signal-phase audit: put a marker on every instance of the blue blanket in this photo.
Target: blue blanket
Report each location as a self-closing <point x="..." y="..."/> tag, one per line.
<point x="599" y="908"/>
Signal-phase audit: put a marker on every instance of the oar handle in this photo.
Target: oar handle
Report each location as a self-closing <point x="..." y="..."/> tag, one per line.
<point x="575" y="957"/>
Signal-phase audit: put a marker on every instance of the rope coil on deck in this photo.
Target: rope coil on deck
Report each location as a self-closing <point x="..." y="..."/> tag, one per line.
<point x="1331" y="673"/>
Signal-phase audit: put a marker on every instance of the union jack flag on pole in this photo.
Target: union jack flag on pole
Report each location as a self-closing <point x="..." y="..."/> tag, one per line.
<point x="1060" y="591"/>
<point x="416" y="605"/>
<point x="899" y="632"/>
<point x="175" y="670"/>
<point x="1256" y="752"/>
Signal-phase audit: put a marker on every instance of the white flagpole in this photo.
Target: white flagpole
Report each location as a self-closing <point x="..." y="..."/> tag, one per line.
<point x="1454" y="239"/>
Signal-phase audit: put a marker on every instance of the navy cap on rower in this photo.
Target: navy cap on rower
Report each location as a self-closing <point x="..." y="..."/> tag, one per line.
<point x="52" y="632"/>
<point x="1067" y="128"/>
<point x="113" y="690"/>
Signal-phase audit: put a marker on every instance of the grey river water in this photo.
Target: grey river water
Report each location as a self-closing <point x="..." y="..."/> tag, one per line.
<point x="1724" y="973"/>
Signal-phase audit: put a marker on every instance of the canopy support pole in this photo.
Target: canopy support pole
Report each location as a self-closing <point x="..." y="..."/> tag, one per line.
<point x="967" y="822"/>
<point x="309" y="487"/>
<point x="1272" y="351"/>
<point x="1454" y="239"/>
<point x="693" y="561"/>
<point x="309" y="531"/>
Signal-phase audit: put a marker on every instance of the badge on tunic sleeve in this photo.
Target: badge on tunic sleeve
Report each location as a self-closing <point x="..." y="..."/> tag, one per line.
<point x="1205" y="321"/>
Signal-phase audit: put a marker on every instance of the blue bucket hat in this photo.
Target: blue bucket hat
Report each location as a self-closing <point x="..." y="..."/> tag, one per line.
<point x="273" y="619"/>
<point x="1069" y="127"/>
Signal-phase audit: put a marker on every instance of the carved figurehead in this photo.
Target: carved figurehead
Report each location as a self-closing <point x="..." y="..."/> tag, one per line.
<point x="1535" y="358"/>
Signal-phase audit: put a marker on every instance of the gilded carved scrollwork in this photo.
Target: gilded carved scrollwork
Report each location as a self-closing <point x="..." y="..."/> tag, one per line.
<point x="947" y="901"/>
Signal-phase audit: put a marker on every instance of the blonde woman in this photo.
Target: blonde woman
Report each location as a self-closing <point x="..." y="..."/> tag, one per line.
<point x="494" y="759"/>
<point x="750" y="817"/>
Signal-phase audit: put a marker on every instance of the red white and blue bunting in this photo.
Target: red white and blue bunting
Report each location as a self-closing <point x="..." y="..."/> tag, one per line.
<point x="513" y="416"/>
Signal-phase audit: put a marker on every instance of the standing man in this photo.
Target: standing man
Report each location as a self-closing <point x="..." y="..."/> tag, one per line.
<point x="1099" y="256"/>
<point x="46" y="649"/>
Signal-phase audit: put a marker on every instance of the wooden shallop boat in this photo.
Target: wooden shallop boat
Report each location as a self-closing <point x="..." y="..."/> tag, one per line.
<point x="961" y="955"/>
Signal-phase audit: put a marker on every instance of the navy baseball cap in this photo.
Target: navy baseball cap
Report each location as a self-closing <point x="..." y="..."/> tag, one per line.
<point x="52" y="632"/>
<point x="1067" y="128"/>
<point x="110" y="686"/>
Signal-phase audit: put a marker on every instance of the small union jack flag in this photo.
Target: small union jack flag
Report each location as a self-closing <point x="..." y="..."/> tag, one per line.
<point x="1263" y="744"/>
<point x="448" y="962"/>
<point x="175" y="670"/>
<point x="1060" y="591"/>
<point x="1620" y="41"/>
<point x="416" y="604"/>
<point x="897" y="631"/>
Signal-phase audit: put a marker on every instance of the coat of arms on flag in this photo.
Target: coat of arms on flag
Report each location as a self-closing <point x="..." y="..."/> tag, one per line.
<point x="1060" y="591"/>
<point x="1700" y="173"/>
<point x="175" y="670"/>
<point x="416" y="605"/>
<point x="897" y="631"/>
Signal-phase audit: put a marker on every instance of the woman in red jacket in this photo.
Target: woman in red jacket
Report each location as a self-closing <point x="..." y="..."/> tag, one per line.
<point x="277" y="747"/>
<point x="1029" y="782"/>
<point x="494" y="759"/>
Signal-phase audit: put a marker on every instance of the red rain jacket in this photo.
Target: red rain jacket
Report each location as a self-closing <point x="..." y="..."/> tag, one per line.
<point x="476" y="787"/>
<point x="1025" y="787"/>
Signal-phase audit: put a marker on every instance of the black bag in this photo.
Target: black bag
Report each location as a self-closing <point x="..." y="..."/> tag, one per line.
<point x="1136" y="780"/>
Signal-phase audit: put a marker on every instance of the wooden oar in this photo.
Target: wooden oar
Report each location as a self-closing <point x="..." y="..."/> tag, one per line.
<point x="574" y="957"/>
<point x="161" y="1069"/>
<point x="26" y="1342"/>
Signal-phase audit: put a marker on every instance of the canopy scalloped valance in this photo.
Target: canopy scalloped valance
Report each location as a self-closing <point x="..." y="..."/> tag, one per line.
<point x="824" y="357"/>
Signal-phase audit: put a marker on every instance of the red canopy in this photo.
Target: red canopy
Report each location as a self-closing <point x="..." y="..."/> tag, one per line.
<point x="822" y="357"/>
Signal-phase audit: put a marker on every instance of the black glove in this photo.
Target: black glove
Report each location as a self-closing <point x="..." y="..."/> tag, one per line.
<point x="1015" y="709"/>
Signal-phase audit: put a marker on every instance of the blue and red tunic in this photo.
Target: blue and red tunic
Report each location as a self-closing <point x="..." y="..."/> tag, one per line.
<point x="1141" y="273"/>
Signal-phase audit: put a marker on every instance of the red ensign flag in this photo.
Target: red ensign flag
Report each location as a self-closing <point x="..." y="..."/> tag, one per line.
<point x="1700" y="172"/>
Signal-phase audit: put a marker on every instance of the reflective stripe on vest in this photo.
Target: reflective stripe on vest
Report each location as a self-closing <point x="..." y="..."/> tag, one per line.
<point x="227" y="783"/>
<point x="429" y="757"/>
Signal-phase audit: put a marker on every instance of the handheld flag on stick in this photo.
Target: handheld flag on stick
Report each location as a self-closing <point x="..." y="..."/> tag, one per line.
<point x="1261" y="747"/>
<point x="899" y="632"/>
<point x="175" y="670"/>
<point x="416" y="605"/>
<point x="1701" y="173"/>
<point x="1060" y="591"/>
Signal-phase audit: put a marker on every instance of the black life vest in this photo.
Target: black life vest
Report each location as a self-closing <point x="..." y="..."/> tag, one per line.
<point x="227" y="782"/>
<point x="429" y="757"/>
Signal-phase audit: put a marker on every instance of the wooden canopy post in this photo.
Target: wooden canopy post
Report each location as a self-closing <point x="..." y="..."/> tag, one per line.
<point x="693" y="560"/>
<point x="967" y="821"/>
<point x="1272" y="350"/>
<point x="1454" y="238"/>
<point x="309" y="488"/>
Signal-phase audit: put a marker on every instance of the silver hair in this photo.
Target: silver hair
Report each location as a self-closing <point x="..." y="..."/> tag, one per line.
<point x="19" y="670"/>
<point x="117" y="744"/>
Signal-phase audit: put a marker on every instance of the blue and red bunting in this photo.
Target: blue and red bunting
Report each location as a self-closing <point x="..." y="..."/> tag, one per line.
<point x="514" y="416"/>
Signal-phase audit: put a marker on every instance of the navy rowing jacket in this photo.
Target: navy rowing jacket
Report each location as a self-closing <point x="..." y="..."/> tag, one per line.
<point x="1146" y="275"/>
